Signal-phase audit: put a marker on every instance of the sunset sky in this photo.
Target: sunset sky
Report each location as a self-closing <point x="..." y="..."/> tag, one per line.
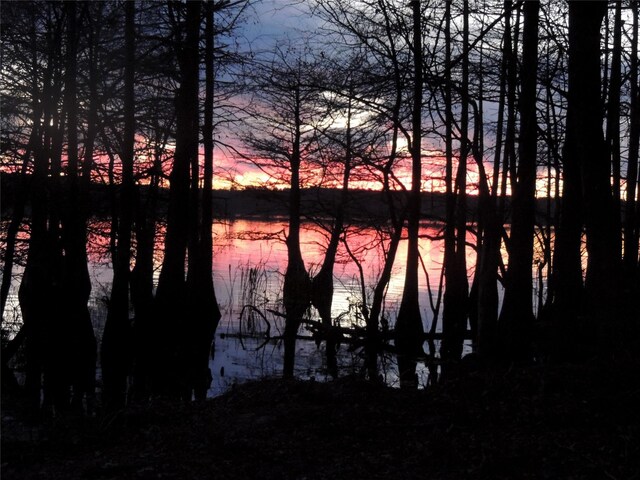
<point x="268" y="23"/>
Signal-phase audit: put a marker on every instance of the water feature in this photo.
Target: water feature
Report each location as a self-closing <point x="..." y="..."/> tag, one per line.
<point x="252" y="253"/>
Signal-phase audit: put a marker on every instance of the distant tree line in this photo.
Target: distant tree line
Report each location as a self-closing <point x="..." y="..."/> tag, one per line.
<point x="516" y="101"/>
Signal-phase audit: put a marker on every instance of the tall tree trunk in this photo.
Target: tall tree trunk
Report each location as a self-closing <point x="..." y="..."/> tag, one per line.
<point x="116" y="340"/>
<point x="613" y="117"/>
<point x="142" y="280"/>
<point x="171" y="294"/>
<point x="553" y="188"/>
<point x="454" y="315"/>
<point x="22" y="195"/>
<point x="516" y="318"/>
<point x="296" y="292"/>
<point x="35" y="292"/>
<point x="206" y="314"/>
<point x="409" y="332"/>
<point x="78" y="349"/>
<point x="511" y="49"/>
<point x="586" y="164"/>
<point x="567" y="281"/>
<point x="601" y="283"/>
<point x="489" y="255"/>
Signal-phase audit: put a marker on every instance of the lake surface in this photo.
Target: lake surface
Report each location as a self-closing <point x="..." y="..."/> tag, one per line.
<point x="249" y="263"/>
<point x="246" y="244"/>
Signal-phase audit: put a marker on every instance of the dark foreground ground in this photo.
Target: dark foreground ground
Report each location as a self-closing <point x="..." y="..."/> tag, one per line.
<point x="565" y="422"/>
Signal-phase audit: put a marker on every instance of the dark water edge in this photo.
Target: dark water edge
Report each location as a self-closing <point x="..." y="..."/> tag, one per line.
<point x="570" y="421"/>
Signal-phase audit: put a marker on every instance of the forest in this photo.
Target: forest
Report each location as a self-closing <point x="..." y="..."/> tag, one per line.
<point x="521" y="118"/>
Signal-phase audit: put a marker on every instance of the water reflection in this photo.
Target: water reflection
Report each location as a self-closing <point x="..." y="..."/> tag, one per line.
<point x="246" y="243"/>
<point x="249" y="260"/>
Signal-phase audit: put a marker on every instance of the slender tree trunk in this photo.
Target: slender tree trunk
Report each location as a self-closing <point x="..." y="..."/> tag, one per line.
<point x="489" y="255"/>
<point x="510" y="49"/>
<point x="409" y="332"/>
<point x="567" y="280"/>
<point x="116" y="340"/>
<point x="631" y="224"/>
<point x="372" y="345"/>
<point x="374" y="320"/>
<point x="516" y="318"/>
<point x="49" y="149"/>
<point x="455" y="309"/>
<point x="322" y="283"/>
<point x="613" y="117"/>
<point x="19" y="205"/>
<point x="553" y="189"/>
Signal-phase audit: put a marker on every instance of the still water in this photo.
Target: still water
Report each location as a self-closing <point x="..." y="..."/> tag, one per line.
<point x="249" y="262"/>
<point x="246" y="244"/>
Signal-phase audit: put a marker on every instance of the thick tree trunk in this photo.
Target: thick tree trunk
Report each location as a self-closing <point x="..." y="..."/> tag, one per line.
<point x="36" y="289"/>
<point x="601" y="283"/>
<point x="567" y="282"/>
<point x="77" y="352"/>
<point x="296" y="292"/>
<point x="586" y="178"/>
<point x="205" y="312"/>
<point x="409" y="331"/>
<point x="171" y="294"/>
<point x="516" y="318"/>
<point x="142" y="289"/>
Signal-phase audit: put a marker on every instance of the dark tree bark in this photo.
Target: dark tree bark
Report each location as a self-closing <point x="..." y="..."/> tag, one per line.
<point x="489" y="255"/>
<point x="567" y="280"/>
<point x="171" y="294"/>
<point x="116" y="340"/>
<point x="142" y="284"/>
<point x="509" y="161"/>
<point x="36" y="289"/>
<point x="455" y="308"/>
<point x="205" y="313"/>
<point x="297" y="284"/>
<point x="586" y="164"/>
<point x="516" y="318"/>
<point x="632" y="207"/>
<point x="602" y="267"/>
<point x="322" y="282"/>
<point x="613" y="117"/>
<point x="21" y="198"/>
<point x="409" y="332"/>
<point x="77" y="344"/>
